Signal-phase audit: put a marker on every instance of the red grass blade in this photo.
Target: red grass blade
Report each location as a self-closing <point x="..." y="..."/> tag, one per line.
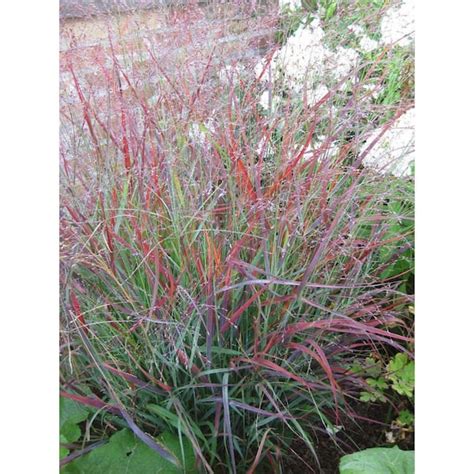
<point x="232" y="319"/>
<point x="91" y="402"/>
<point x="78" y="312"/>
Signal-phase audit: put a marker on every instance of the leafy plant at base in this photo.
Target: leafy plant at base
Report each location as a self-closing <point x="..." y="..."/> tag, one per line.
<point x="378" y="386"/>
<point x="405" y="419"/>
<point x="124" y="453"/>
<point x="71" y="414"/>
<point x="398" y="375"/>
<point x="401" y="374"/>
<point x="378" y="461"/>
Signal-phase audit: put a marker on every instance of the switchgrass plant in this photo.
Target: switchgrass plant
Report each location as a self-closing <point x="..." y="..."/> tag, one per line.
<point x="221" y="268"/>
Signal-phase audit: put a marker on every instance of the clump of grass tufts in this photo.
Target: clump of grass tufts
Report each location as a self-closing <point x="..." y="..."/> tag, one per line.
<point x="220" y="270"/>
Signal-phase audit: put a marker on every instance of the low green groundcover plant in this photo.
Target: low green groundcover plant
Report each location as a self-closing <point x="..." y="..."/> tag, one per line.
<point x="378" y="461"/>
<point x="398" y="375"/>
<point x="125" y="454"/>
<point x="71" y="414"/>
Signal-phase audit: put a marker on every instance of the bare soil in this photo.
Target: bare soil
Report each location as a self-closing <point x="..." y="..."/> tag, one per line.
<point x="356" y="436"/>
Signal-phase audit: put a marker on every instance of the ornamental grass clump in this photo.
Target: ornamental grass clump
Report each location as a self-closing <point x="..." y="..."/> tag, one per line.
<point x="223" y="264"/>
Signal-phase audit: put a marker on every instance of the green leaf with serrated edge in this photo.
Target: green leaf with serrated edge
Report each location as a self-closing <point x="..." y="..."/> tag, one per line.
<point x="397" y="363"/>
<point x="371" y="396"/>
<point x="401" y="373"/>
<point x="378" y="461"/>
<point x="377" y="383"/>
<point x="357" y="369"/>
<point x="373" y="367"/>
<point x="405" y="418"/>
<point x="403" y="389"/>
<point x="126" y="454"/>
<point x="367" y="397"/>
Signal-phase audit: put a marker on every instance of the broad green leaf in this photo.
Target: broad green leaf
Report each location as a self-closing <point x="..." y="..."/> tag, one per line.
<point x="63" y="452"/>
<point x="70" y="432"/>
<point x="378" y="461"/>
<point x="70" y="414"/>
<point x="126" y="454"/>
